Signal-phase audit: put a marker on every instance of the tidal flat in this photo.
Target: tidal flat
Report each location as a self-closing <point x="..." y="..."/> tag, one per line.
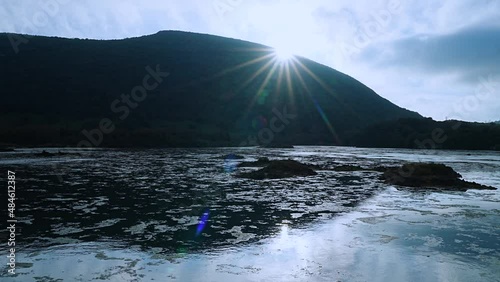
<point x="184" y="215"/>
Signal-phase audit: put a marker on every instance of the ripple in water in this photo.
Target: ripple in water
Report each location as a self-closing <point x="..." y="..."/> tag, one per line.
<point x="139" y="210"/>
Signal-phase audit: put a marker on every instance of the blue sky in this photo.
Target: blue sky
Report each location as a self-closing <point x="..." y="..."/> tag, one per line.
<point x="440" y="58"/>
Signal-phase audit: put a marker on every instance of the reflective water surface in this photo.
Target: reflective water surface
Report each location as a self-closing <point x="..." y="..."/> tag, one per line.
<point x="182" y="215"/>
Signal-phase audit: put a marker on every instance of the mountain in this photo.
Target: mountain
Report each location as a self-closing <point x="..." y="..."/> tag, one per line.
<point x="175" y="89"/>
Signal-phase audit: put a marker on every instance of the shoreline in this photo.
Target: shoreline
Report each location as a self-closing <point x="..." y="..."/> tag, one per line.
<point x="14" y="147"/>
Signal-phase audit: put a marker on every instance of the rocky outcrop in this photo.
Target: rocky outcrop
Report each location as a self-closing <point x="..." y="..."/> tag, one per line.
<point x="429" y="176"/>
<point x="280" y="169"/>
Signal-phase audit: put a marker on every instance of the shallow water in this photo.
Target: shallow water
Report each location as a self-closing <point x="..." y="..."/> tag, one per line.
<point x="135" y="215"/>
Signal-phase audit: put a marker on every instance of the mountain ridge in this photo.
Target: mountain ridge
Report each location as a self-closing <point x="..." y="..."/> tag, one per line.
<point x="219" y="92"/>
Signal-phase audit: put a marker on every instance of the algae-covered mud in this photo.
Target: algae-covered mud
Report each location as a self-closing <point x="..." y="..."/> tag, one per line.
<point x="184" y="215"/>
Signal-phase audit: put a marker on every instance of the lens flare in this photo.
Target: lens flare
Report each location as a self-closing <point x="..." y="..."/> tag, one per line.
<point x="202" y="223"/>
<point x="283" y="54"/>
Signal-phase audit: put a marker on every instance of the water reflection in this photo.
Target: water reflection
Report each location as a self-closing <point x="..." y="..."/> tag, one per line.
<point x="177" y="214"/>
<point x="156" y="198"/>
<point x="430" y="237"/>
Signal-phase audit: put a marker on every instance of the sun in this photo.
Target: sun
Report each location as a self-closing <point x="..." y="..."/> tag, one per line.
<point x="283" y="54"/>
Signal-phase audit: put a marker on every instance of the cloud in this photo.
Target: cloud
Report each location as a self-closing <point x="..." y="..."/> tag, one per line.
<point x="469" y="53"/>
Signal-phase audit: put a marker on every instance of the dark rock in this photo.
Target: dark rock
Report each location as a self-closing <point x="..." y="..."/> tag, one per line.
<point x="429" y="176"/>
<point x="6" y="150"/>
<point x="280" y="169"/>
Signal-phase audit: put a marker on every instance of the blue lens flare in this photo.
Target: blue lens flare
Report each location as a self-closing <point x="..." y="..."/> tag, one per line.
<point x="202" y="223"/>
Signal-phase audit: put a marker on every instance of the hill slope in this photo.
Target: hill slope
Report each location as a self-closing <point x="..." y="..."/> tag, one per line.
<point x="218" y="92"/>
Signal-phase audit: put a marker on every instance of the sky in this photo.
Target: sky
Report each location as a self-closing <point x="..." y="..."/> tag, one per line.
<point x="439" y="58"/>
